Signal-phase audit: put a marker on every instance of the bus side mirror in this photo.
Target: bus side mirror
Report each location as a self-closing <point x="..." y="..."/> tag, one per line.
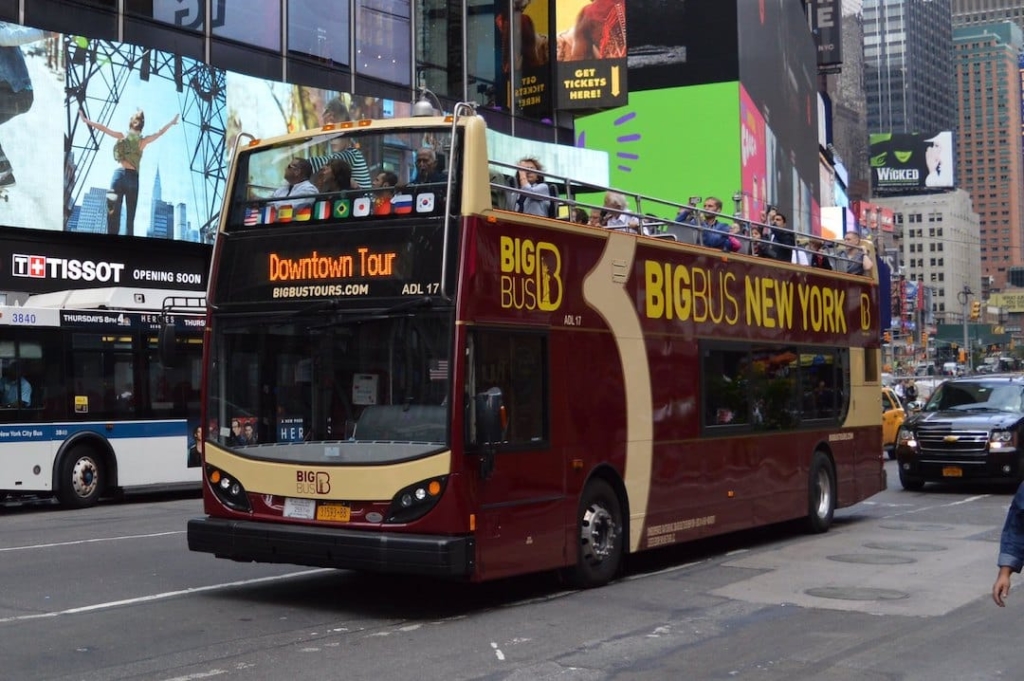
<point x="167" y="345"/>
<point x="491" y="420"/>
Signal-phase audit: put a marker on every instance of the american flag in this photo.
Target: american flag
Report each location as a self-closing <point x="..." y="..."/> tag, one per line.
<point x="252" y="216"/>
<point x="438" y="370"/>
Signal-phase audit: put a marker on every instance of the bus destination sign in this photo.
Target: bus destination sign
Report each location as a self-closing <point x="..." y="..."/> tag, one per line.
<point x="353" y="264"/>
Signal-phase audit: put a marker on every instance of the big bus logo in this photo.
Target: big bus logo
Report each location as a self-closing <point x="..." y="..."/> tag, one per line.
<point x="312" y="482"/>
<point x="531" y="275"/>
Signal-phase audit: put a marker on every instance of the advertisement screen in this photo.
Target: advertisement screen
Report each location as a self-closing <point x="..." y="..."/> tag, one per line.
<point x="103" y="137"/>
<point x="778" y="71"/>
<point x="912" y="162"/>
<point x="591" y="52"/>
<point x="654" y="155"/>
<point x="674" y="43"/>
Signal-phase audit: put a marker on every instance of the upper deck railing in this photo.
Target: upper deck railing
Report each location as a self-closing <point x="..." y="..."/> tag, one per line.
<point x="630" y="212"/>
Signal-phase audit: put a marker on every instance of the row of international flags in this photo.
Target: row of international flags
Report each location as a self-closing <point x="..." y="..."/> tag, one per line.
<point x="340" y="209"/>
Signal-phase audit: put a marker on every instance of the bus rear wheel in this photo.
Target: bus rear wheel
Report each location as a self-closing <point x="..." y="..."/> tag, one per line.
<point x="599" y="535"/>
<point x="821" y="494"/>
<point x="82" y="478"/>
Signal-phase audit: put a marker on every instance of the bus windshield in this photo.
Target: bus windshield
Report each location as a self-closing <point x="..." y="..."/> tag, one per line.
<point x="341" y="174"/>
<point x="372" y="385"/>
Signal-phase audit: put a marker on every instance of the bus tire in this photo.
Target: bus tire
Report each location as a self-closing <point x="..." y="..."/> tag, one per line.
<point x="821" y="494"/>
<point x="82" y="478"/>
<point x="599" y="536"/>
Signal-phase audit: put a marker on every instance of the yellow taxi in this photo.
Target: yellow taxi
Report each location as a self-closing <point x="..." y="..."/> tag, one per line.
<point x="893" y="414"/>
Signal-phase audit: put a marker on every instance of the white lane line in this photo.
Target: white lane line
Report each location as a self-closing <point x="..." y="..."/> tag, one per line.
<point x="163" y="596"/>
<point x="497" y="651"/>
<point x="90" y="541"/>
<point x="969" y="499"/>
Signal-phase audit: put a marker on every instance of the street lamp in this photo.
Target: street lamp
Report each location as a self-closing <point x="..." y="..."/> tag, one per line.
<point x="424" y="107"/>
<point x="962" y="297"/>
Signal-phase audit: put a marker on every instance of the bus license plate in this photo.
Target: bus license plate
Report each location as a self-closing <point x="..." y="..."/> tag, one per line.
<point x="338" y="513"/>
<point x="299" y="508"/>
<point x="952" y="472"/>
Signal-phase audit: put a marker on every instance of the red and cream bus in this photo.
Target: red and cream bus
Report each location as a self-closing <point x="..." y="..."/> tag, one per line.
<point x="436" y="385"/>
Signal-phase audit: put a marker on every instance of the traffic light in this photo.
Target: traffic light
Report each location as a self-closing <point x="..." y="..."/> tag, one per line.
<point x="887" y="337"/>
<point x="924" y="337"/>
<point x="976" y="310"/>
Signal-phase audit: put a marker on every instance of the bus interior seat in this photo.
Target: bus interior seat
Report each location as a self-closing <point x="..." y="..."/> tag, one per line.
<point x="415" y="423"/>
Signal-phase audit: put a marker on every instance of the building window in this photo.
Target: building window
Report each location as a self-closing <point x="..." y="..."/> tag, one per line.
<point x="384" y="40"/>
<point x="252" y="22"/>
<point x="319" y="29"/>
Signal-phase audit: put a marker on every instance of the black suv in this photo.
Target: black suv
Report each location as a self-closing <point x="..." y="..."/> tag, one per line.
<point x="970" y="429"/>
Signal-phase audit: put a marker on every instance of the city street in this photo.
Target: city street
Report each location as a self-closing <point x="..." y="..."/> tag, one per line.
<point x="899" y="588"/>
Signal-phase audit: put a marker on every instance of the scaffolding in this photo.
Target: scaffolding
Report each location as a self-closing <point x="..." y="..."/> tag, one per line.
<point x="203" y="113"/>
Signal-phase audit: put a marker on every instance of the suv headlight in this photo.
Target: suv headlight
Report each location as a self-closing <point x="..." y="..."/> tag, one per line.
<point x="1003" y="439"/>
<point x="905" y="436"/>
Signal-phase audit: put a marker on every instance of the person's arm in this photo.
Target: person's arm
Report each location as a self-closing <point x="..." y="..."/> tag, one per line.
<point x="156" y="135"/>
<point x="13" y="35"/>
<point x="1011" y="548"/>
<point x="99" y="126"/>
<point x="867" y="262"/>
<point x="26" y="392"/>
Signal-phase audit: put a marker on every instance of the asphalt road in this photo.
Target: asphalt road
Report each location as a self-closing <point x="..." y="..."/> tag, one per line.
<point x="898" y="589"/>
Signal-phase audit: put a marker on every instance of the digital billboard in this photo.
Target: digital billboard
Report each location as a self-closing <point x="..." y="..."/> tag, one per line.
<point x="778" y="75"/>
<point x="104" y="137"/>
<point x="653" y="154"/>
<point x="673" y="43"/>
<point x="912" y="162"/>
<point x="591" y="46"/>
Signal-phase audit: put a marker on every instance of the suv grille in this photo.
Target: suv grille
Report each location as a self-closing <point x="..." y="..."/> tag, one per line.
<point x="943" y="438"/>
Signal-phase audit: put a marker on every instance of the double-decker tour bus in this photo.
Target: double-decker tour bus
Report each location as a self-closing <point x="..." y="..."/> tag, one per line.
<point x="88" y="405"/>
<point x="440" y="385"/>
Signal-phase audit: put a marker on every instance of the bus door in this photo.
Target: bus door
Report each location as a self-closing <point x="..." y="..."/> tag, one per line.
<point x="521" y="515"/>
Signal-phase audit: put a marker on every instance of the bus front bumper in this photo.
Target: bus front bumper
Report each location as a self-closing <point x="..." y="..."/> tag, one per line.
<point x="391" y="552"/>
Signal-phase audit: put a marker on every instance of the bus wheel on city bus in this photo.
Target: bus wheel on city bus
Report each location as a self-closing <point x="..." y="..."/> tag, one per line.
<point x="821" y="494"/>
<point x="81" y="478"/>
<point x="600" y="536"/>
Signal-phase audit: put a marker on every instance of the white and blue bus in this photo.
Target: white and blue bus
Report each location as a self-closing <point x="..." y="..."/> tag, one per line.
<point x="89" y="407"/>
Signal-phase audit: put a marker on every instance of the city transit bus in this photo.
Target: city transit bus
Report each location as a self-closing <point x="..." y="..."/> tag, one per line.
<point x="440" y="386"/>
<point x="88" y="406"/>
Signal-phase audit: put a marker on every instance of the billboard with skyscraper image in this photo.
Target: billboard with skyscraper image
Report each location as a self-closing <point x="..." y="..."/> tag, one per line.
<point x="146" y="130"/>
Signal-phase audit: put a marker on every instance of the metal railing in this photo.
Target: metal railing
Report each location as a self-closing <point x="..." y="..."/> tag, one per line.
<point x="644" y="216"/>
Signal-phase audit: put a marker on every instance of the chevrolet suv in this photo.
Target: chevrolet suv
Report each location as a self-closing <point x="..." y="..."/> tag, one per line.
<point x="970" y="429"/>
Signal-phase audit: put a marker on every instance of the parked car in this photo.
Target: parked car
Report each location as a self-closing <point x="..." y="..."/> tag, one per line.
<point x="893" y="414"/>
<point x="969" y="430"/>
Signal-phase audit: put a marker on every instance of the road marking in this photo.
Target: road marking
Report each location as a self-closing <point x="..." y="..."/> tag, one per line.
<point x="163" y="596"/>
<point x="497" y="652"/>
<point x="89" y="541"/>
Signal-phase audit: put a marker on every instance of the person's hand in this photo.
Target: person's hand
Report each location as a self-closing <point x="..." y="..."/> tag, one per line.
<point x="174" y="121"/>
<point x="1001" y="588"/>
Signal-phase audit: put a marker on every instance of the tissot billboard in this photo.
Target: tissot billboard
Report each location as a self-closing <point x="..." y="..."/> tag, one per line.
<point x="34" y="261"/>
<point x="912" y="162"/>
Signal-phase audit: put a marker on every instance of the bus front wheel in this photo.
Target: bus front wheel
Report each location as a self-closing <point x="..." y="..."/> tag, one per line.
<point x="821" y="494"/>
<point x="599" y="535"/>
<point x="82" y="478"/>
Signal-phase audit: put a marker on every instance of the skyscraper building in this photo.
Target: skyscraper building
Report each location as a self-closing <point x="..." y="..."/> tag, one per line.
<point x="969" y="12"/>
<point x="908" y="65"/>
<point x="990" y="149"/>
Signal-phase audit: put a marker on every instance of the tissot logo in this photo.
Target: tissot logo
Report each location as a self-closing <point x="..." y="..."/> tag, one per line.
<point x="66" y="269"/>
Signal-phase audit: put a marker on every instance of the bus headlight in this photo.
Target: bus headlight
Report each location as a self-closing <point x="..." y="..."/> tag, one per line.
<point x="414" y="501"/>
<point x="228" y="490"/>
